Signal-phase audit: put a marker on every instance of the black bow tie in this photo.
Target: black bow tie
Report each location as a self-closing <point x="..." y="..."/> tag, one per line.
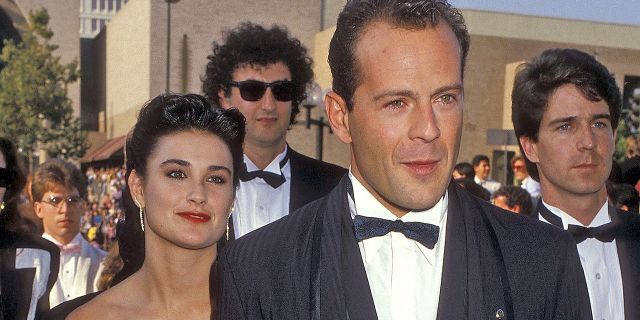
<point x="273" y="179"/>
<point x="368" y="227"/>
<point x="605" y="233"/>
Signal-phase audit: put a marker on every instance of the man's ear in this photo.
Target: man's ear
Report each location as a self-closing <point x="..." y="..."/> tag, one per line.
<point x="338" y="115"/>
<point x="529" y="148"/>
<point x="38" y="208"/>
<point x="224" y="100"/>
<point x="135" y="188"/>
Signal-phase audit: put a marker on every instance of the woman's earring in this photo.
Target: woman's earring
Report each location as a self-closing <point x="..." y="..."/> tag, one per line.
<point x="141" y="213"/>
<point x="230" y="212"/>
<point x="2" y="208"/>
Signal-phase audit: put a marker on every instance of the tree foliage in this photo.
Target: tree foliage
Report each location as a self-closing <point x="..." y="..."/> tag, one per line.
<point x="34" y="108"/>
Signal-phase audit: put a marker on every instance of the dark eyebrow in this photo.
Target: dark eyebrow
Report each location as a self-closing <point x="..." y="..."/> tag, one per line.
<point x="601" y="116"/>
<point x="573" y="118"/>
<point x="184" y="163"/>
<point x="412" y="94"/>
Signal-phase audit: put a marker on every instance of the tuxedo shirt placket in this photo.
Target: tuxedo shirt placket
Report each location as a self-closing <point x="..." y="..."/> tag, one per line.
<point x="64" y="288"/>
<point x="404" y="276"/>
<point x="257" y="203"/>
<point x="600" y="265"/>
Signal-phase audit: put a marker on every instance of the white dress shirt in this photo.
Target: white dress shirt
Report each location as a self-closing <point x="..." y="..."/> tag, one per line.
<point x="403" y="275"/>
<point x="488" y="184"/>
<point x="600" y="265"/>
<point x="532" y="186"/>
<point x="257" y="203"/>
<point x="64" y="287"/>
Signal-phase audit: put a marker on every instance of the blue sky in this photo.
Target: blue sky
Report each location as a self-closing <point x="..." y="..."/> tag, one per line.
<point x="612" y="11"/>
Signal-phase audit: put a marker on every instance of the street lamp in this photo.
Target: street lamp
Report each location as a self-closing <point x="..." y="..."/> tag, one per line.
<point x="169" y="2"/>
<point x="315" y="98"/>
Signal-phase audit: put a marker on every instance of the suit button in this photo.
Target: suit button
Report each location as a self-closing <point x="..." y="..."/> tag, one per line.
<point x="598" y="276"/>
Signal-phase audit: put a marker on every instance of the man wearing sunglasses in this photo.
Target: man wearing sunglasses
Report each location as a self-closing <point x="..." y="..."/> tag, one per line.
<point x="264" y="73"/>
<point x="58" y="190"/>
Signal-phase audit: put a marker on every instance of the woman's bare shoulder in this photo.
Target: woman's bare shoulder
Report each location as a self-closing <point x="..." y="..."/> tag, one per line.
<point x="119" y="302"/>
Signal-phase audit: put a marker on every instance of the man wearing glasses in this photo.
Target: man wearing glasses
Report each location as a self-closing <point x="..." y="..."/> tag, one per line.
<point x="58" y="189"/>
<point x="264" y="73"/>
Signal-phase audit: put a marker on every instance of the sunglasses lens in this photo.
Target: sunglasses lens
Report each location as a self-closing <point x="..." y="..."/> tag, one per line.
<point x="252" y="90"/>
<point x="283" y="91"/>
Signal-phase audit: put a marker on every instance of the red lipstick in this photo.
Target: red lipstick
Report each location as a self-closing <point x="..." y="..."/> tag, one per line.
<point x="197" y="217"/>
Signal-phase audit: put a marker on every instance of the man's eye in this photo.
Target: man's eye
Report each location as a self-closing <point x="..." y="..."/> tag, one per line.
<point x="177" y="174"/>
<point x="396" y="104"/>
<point x="446" y="99"/>
<point x="600" y="124"/>
<point x="564" y="127"/>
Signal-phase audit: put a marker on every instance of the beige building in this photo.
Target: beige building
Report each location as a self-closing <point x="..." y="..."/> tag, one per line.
<point x="125" y="65"/>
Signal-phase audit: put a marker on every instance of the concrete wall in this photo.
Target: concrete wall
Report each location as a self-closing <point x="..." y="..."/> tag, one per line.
<point x="129" y="73"/>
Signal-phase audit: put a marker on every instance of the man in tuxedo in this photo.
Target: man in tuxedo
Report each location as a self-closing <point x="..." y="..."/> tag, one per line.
<point x="566" y="107"/>
<point x="397" y="239"/>
<point x="58" y="191"/>
<point x="264" y="73"/>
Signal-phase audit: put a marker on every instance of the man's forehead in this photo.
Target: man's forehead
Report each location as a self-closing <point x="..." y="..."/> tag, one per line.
<point x="260" y="67"/>
<point x="54" y="188"/>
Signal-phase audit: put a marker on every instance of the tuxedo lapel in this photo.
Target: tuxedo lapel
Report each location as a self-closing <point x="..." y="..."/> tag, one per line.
<point x="301" y="189"/>
<point x="628" y="245"/>
<point x="453" y="302"/>
<point x="344" y="279"/>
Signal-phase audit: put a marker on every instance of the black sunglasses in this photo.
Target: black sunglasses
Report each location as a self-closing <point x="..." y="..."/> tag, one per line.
<point x="6" y="177"/>
<point x="253" y="90"/>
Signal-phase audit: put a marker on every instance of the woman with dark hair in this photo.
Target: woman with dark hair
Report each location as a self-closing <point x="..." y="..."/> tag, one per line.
<point x="183" y="159"/>
<point x="28" y="263"/>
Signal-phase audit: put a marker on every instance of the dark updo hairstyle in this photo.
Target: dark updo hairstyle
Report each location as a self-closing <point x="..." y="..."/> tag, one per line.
<point x="164" y="115"/>
<point x="10" y="216"/>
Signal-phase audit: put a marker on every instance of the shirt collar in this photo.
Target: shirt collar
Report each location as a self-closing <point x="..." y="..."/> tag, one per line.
<point x="274" y="165"/>
<point x="602" y="217"/>
<point x="77" y="240"/>
<point x="365" y="204"/>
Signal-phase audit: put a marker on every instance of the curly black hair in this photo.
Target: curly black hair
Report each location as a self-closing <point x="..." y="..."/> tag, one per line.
<point x="251" y="44"/>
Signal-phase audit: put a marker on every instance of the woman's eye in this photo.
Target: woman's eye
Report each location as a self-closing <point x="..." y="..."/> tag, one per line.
<point x="177" y="174"/>
<point x="216" y="179"/>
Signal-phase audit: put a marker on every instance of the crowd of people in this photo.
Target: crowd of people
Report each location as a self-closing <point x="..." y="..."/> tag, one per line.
<point x="214" y="215"/>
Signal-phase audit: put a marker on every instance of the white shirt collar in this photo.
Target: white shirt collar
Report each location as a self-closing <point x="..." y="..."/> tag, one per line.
<point x="368" y="205"/>
<point x="602" y="217"/>
<point x="274" y="165"/>
<point x="77" y="240"/>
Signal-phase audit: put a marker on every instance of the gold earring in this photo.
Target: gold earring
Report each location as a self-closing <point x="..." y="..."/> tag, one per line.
<point x="141" y="213"/>
<point x="1" y="206"/>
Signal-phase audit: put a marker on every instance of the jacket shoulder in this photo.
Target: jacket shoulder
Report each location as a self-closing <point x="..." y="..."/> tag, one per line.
<point x="314" y="167"/>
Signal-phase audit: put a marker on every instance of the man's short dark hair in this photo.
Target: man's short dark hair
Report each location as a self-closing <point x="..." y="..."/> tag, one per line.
<point x="408" y="14"/>
<point x="465" y="169"/>
<point x="252" y="45"/>
<point x="538" y="80"/>
<point x="515" y="196"/>
<point x="479" y="158"/>
<point x="57" y="172"/>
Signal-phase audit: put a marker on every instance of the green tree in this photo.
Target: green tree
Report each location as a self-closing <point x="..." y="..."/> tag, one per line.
<point x="34" y="108"/>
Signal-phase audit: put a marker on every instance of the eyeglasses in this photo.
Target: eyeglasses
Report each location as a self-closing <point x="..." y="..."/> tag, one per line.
<point x="6" y="177"/>
<point x="253" y="90"/>
<point x="56" y="201"/>
<point x="517" y="166"/>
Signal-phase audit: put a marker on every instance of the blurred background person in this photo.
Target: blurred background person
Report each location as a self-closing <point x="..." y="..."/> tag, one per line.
<point x="183" y="162"/>
<point x="463" y="170"/>
<point x="514" y="199"/>
<point x="28" y="263"/>
<point x="482" y="169"/>
<point x="522" y="176"/>
<point x="623" y="196"/>
<point x="58" y="190"/>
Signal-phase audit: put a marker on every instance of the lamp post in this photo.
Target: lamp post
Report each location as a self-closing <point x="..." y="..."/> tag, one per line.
<point x="169" y="2"/>
<point x="315" y="98"/>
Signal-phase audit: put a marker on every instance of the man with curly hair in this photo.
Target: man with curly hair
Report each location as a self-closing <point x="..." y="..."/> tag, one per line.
<point x="264" y="73"/>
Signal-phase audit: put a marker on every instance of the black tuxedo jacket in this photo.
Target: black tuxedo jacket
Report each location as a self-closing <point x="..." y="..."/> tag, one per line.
<point x="16" y="284"/>
<point x="628" y="246"/>
<point x="307" y="265"/>
<point x="310" y="180"/>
